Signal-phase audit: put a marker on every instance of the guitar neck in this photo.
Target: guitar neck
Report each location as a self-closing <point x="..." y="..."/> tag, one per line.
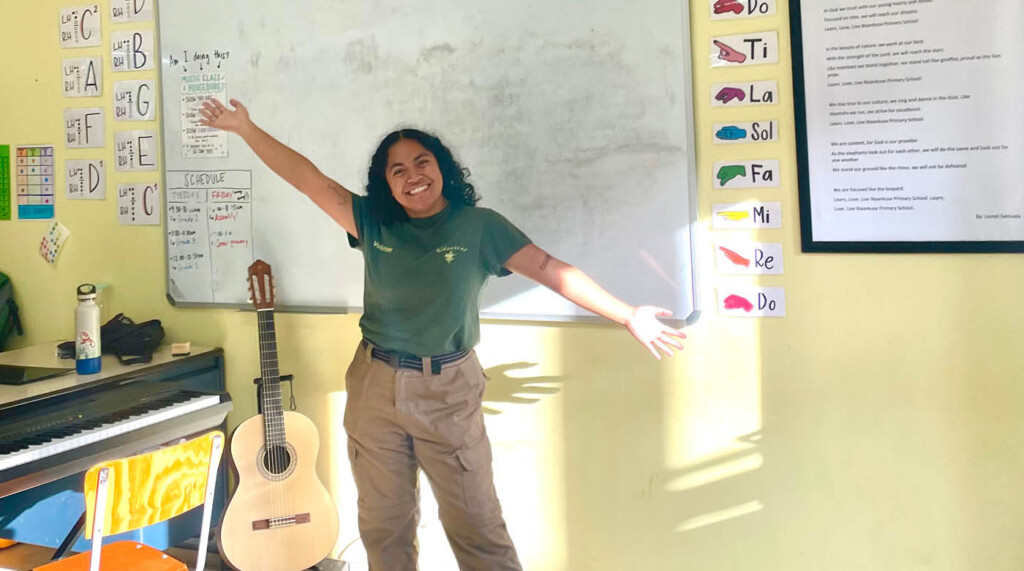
<point x="270" y="395"/>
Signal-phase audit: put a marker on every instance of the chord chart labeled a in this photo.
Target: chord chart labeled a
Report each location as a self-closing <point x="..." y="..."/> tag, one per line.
<point x="35" y="182"/>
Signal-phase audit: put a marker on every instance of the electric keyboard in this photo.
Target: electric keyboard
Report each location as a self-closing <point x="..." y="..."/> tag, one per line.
<point x="48" y="439"/>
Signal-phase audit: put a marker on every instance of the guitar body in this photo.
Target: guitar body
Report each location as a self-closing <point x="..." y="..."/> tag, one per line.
<point x="296" y="521"/>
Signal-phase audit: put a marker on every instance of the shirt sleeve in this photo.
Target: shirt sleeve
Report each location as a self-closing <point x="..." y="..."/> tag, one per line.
<point x="499" y="240"/>
<point x="360" y="213"/>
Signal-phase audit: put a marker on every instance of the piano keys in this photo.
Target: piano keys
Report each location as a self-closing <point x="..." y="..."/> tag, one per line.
<point x="54" y="430"/>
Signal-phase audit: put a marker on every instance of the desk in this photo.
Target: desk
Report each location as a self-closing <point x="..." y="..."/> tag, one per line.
<point x="40" y="504"/>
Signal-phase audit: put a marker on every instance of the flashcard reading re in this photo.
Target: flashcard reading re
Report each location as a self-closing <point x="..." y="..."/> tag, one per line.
<point x="50" y="245"/>
<point x="743" y="301"/>
<point x="748" y="258"/>
<point x="85" y="179"/>
<point x="745" y="49"/>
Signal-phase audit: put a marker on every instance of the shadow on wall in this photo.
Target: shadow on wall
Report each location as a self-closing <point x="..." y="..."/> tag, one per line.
<point x="503" y="388"/>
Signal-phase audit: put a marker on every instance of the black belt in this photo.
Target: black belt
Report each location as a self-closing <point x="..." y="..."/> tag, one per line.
<point x="406" y="361"/>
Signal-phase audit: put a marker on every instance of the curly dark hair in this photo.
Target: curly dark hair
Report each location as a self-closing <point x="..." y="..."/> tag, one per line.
<point x="458" y="191"/>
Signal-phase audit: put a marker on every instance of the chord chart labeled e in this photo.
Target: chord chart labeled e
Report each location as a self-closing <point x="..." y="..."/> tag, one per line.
<point x="34" y="172"/>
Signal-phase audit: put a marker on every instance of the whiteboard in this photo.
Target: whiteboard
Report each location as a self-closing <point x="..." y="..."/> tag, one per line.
<point x="574" y="118"/>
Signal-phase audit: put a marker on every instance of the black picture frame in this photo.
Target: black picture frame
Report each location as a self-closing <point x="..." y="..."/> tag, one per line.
<point x="807" y="242"/>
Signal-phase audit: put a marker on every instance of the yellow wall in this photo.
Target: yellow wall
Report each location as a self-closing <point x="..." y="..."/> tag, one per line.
<point x="877" y="426"/>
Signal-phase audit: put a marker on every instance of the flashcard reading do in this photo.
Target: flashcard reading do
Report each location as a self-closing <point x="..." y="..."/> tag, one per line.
<point x="51" y="243"/>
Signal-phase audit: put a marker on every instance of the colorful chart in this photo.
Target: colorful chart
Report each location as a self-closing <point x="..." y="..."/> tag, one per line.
<point x="35" y="182"/>
<point x="5" y="182"/>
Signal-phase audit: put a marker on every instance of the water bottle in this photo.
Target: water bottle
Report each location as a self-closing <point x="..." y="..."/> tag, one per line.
<point x="87" y="327"/>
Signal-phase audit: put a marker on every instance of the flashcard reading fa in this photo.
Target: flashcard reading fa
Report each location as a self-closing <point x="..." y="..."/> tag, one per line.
<point x="49" y="246"/>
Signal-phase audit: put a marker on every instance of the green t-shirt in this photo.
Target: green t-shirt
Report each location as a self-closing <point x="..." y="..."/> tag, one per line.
<point x="423" y="277"/>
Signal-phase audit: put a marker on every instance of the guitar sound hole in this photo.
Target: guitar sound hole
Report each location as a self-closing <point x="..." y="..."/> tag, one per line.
<point x="277" y="459"/>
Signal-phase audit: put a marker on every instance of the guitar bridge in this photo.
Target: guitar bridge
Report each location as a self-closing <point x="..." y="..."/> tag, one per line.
<point x="277" y="522"/>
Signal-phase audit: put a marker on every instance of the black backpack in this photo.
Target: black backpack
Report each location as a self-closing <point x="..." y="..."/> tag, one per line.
<point x="9" y="320"/>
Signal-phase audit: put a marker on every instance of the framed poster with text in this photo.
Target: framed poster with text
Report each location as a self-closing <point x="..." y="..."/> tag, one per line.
<point x="910" y="133"/>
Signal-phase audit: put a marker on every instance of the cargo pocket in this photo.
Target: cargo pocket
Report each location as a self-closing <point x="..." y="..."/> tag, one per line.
<point x="477" y="480"/>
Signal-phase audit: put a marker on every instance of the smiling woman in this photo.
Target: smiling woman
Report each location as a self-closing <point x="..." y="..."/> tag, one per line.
<point x="415" y="385"/>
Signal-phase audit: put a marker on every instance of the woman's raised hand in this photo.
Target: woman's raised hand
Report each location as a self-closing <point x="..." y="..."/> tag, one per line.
<point x="653" y="334"/>
<point x="215" y="114"/>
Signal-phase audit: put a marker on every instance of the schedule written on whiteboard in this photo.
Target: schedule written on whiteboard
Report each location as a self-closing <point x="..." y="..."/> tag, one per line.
<point x="913" y="120"/>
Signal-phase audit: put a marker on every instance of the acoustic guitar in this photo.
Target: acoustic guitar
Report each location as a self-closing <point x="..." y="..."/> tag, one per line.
<point x="281" y="517"/>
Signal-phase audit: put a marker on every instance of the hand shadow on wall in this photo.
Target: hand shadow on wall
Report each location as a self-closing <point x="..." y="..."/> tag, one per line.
<point x="502" y="388"/>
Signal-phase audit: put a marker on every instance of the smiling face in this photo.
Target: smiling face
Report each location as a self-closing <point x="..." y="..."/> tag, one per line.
<point x="415" y="179"/>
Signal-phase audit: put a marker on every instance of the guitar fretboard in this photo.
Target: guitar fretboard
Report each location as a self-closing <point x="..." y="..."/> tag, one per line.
<point x="273" y="415"/>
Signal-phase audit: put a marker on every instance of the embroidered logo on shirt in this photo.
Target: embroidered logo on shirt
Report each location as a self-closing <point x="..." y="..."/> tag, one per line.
<point x="450" y="252"/>
<point x="382" y="247"/>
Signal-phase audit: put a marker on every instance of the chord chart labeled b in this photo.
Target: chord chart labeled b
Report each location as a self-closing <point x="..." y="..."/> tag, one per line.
<point x="35" y="182"/>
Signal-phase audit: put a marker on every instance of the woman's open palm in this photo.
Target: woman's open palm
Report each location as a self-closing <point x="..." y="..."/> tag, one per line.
<point x="215" y="114"/>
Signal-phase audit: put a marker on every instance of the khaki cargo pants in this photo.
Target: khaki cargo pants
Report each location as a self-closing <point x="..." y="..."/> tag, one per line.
<point x="400" y="420"/>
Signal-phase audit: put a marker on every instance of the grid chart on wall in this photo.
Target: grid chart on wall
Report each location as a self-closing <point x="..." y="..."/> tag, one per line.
<point x="35" y="182"/>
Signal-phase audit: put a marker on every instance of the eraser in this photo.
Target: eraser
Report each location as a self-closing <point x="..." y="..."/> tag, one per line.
<point x="179" y="349"/>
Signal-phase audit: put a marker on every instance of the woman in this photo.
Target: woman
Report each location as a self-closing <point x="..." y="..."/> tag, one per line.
<point x="415" y="386"/>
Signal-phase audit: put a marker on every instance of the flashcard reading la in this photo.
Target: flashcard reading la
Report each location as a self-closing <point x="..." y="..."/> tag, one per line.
<point x="746" y="174"/>
<point x="80" y="26"/>
<point x="135" y="100"/>
<point x="138" y="204"/>
<point x="745" y="93"/>
<point x="131" y="51"/>
<point x="748" y="258"/>
<point x="745" y="301"/>
<point x="131" y="11"/>
<point x="84" y="128"/>
<point x="85" y="179"/>
<point x="746" y="216"/>
<point x="135" y="150"/>
<point x="50" y="245"/>
<point x="742" y="132"/>
<point x="736" y="9"/>
<point x="83" y="77"/>
<point x="745" y="49"/>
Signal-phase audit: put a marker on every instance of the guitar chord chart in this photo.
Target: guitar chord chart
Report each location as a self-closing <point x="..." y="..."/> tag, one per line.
<point x="5" y="182"/>
<point x="35" y="182"/>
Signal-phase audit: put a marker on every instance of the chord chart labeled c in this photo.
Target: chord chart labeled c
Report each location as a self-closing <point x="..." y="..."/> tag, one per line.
<point x="34" y="171"/>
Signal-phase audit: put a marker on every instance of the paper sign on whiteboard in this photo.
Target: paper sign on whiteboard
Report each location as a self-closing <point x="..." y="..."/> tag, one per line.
<point x="197" y="140"/>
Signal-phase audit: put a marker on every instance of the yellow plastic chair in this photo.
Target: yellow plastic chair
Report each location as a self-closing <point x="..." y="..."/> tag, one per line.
<point x="126" y="494"/>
